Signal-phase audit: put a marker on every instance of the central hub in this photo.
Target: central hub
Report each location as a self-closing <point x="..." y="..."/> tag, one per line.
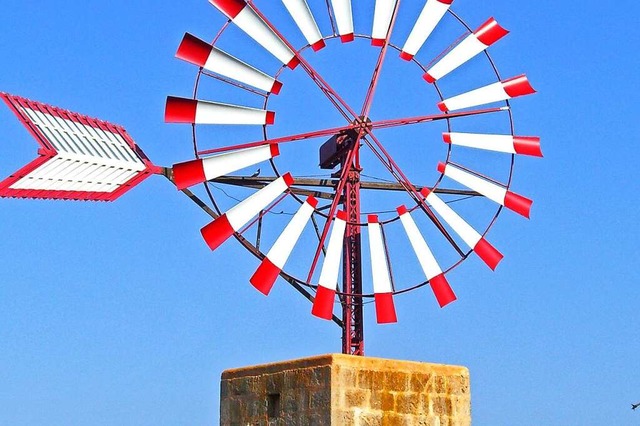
<point x="333" y="150"/>
<point x="363" y="125"/>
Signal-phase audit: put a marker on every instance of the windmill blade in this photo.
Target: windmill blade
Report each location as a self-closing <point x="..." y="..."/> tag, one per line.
<point x="80" y="158"/>
<point x="323" y="302"/>
<point x="218" y="231"/>
<point x="199" y="52"/>
<point x="492" y="191"/>
<point x="201" y="170"/>
<point x="344" y="19"/>
<point x="500" y="91"/>
<point x="470" y="236"/>
<point x="382" y="288"/>
<point x="474" y="44"/>
<point x="301" y="14"/>
<point x="522" y="145"/>
<point x="242" y="14"/>
<point x="439" y="284"/>
<point x="271" y="266"/>
<point x="193" y="111"/>
<point x="382" y="20"/>
<point x="431" y="15"/>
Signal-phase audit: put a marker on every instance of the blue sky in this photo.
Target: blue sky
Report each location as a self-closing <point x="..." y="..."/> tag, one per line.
<point x="119" y="314"/>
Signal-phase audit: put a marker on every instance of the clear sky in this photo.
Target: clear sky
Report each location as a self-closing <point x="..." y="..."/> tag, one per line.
<point x="118" y="314"/>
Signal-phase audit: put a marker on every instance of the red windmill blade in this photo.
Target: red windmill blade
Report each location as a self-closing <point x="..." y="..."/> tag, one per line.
<point x="299" y="11"/>
<point x="80" y="158"/>
<point x="430" y="17"/>
<point x="344" y="19"/>
<point x="474" y="44"/>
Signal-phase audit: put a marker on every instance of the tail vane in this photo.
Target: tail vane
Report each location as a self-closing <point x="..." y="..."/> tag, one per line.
<point x="80" y="158"/>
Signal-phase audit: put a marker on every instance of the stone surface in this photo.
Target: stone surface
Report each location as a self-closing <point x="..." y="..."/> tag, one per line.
<point x="346" y="390"/>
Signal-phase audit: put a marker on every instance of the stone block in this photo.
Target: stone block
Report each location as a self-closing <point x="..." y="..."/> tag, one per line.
<point x="346" y="390"/>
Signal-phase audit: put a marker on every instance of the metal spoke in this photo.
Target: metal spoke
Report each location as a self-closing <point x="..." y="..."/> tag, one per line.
<point x="366" y="107"/>
<point x="284" y="139"/>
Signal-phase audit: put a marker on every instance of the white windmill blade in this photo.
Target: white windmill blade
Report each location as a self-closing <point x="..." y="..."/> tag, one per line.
<point x="344" y="19"/>
<point x="382" y="287"/>
<point x="273" y="263"/>
<point x="382" y="21"/>
<point x="474" y="44"/>
<point x="472" y="238"/>
<point x="194" y="111"/>
<point x="522" y="145"/>
<point x="328" y="282"/>
<point x="200" y="53"/>
<point x="301" y="14"/>
<point x="80" y="158"/>
<point x="438" y="282"/>
<point x="204" y="169"/>
<point x="500" y="91"/>
<point x="492" y="191"/>
<point x="218" y="231"/>
<point x="431" y="15"/>
<point x="243" y="15"/>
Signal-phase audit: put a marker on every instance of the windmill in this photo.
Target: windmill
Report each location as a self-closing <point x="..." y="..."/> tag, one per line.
<point x="368" y="204"/>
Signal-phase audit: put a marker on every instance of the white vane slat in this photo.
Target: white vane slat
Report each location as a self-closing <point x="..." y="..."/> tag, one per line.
<point x="523" y="145"/>
<point x="474" y="44"/>
<point x="382" y="20"/>
<point x="219" y="113"/>
<point x="490" y="190"/>
<point x="203" y="54"/>
<point x="183" y="110"/>
<point x="242" y="213"/>
<point x="488" y="142"/>
<point x="332" y="260"/>
<point x="226" y="163"/>
<point x="379" y="264"/>
<point x="282" y="248"/>
<point x="200" y="170"/>
<point x="469" y="235"/>
<point x="243" y="15"/>
<point x="301" y="14"/>
<point x="344" y="19"/>
<point x="500" y="91"/>
<point x="425" y="257"/>
<point x="431" y="15"/>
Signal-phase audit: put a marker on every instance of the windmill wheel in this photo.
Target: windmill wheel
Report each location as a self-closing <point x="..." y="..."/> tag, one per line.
<point x="327" y="161"/>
